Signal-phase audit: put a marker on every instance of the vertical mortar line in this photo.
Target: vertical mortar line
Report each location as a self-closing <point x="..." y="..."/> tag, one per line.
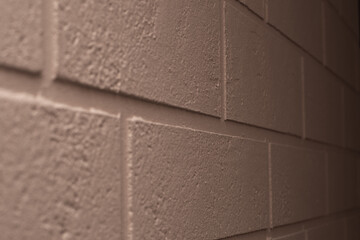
<point x="50" y="47"/>
<point x="303" y="107"/>
<point x="270" y="189"/>
<point x="323" y="33"/>
<point x="266" y="7"/>
<point x="343" y="118"/>
<point x="223" y="60"/>
<point x="306" y="234"/>
<point x="345" y="224"/>
<point x="124" y="185"/>
<point x="326" y="156"/>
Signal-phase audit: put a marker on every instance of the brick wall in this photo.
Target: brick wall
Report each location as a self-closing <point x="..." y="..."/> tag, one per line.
<point x="201" y="119"/>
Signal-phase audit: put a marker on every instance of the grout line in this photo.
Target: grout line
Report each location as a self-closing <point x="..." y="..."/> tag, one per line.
<point x="270" y="189"/>
<point x="125" y="197"/>
<point x="266" y="7"/>
<point x="326" y="156"/>
<point x="303" y="107"/>
<point x="50" y="51"/>
<point x="87" y="97"/>
<point x="340" y="14"/>
<point x="223" y="60"/>
<point x="343" y="118"/>
<point x="298" y="47"/>
<point x="79" y="95"/>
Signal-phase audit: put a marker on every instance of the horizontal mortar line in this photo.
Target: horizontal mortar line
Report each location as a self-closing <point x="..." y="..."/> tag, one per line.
<point x="298" y="46"/>
<point x="325" y="218"/>
<point x="331" y="145"/>
<point x="86" y="96"/>
<point x="304" y="51"/>
<point x="248" y="8"/>
<point x="135" y="106"/>
<point x="76" y="94"/>
<point x="19" y="70"/>
<point x="342" y="19"/>
<point x="265" y="129"/>
<point x="242" y="234"/>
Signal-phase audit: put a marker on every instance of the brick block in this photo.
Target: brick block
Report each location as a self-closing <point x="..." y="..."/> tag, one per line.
<point x="59" y="173"/>
<point x="20" y="34"/>
<point x="341" y="180"/>
<point x="258" y="6"/>
<point x="166" y="51"/>
<point x="188" y="184"/>
<point x="351" y="11"/>
<point x="352" y="119"/>
<point x="340" y="47"/>
<point x="289" y="18"/>
<point x="298" y="184"/>
<point x="323" y="104"/>
<point x="263" y="75"/>
<point x="331" y="231"/>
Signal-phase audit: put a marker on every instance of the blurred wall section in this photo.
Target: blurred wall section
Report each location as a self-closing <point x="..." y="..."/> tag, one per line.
<point x="179" y="119"/>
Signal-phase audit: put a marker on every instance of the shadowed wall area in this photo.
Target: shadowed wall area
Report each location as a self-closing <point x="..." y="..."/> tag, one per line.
<point x="179" y="119"/>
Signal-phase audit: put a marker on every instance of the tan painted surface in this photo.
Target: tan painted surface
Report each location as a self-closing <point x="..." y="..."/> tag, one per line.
<point x="179" y="119"/>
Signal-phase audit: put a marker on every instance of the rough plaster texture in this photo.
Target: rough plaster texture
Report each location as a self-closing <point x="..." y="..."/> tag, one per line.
<point x="263" y="75"/>
<point x="166" y="51"/>
<point x="280" y="159"/>
<point x="296" y="24"/>
<point x="20" y="34"/>
<point x="298" y="184"/>
<point x="59" y="173"/>
<point x="182" y="183"/>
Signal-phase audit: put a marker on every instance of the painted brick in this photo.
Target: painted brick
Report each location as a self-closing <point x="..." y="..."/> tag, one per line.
<point x="323" y="104"/>
<point x="352" y="119"/>
<point x="331" y="231"/>
<point x="341" y="180"/>
<point x="340" y="47"/>
<point x="188" y="184"/>
<point x="351" y="11"/>
<point x="59" y="173"/>
<point x="306" y="31"/>
<point x="298" y="184"/>
<point x="166" y="51"/>
<point x="257" y="6"/>
<point x="353" y="230"/>
<point x="263" y="75"/>
<point x="20" y="34"/>
<point x="296" y="236"/>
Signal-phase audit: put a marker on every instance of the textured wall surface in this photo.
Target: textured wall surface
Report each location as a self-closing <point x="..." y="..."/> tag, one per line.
<point x="181" y="119"/>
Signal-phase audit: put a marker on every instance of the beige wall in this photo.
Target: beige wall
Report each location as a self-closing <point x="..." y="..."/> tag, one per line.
<point x="179" y="119"/>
